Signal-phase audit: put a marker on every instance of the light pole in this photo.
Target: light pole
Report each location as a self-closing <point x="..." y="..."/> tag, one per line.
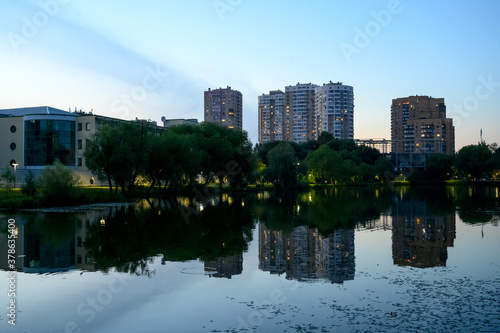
<point x="15" y="176"/>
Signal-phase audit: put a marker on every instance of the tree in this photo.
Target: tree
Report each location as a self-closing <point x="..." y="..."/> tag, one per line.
<point x="325" y="137"/>
<point x="8" y="179"/>
<point x="439" y="167"/>
<point x="172" y="160"/>
<point x="58" y="185"/>
<point x="475" y="160"/>
<point x="118" y="153"/>
<point x="323" y="164"/>
<point x="29" y="187"/>
<point x="282" y="167"/>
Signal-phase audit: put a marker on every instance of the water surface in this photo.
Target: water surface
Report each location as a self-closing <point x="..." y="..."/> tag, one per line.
<point x="332" y="260"/>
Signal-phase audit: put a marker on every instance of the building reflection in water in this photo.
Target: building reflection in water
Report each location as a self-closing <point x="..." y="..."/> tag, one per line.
<point x="225" y="267"/>
<point x="305" y="255"/>
<point x="420" y="238"/>
<point x="42" y="247"/>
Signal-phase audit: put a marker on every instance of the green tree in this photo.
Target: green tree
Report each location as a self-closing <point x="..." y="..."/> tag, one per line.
<point x="8" y="179"/>
<point x="172" y="160"/>
<point x="439" y="167"/>
<point x="118" y="153"/>
<point x="57" y="185"/>
<point x="325" y="137"/>
<point x="323" y="164"/>
<point x="29" y="187"/>
<point x="474" y="160"/>
<point x="282" y="167"/>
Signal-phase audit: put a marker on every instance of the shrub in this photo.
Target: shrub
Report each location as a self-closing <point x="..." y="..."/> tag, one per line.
<point x="58" y="186"/>
<point x="29" y="187"/>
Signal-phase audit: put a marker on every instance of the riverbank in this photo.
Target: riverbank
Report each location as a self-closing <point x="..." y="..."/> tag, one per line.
<point x="89" y="195"/>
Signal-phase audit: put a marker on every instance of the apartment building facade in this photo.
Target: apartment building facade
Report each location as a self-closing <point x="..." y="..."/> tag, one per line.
<point x="224" y="106"/>
<point x="303" y="111"/>
<point x="419" y="125"/>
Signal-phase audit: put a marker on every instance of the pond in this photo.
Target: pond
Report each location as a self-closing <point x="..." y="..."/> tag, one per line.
<point x="327" y="260"/>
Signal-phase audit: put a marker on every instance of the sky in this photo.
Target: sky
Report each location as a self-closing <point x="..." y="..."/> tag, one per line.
<point x="149" y="59"/>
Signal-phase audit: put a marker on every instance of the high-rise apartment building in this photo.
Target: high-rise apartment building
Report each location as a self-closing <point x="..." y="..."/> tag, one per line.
<point x="419" y="125"/>
<point x="335" y="110"/>
<point x="271" y="111"/>
<point x="305" y="110"/>
<point x="300" y="119"/>
<point x="223" y="106"/>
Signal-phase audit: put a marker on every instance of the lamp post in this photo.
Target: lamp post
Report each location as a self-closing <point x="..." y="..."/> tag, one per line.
<point x="15" y="175"/>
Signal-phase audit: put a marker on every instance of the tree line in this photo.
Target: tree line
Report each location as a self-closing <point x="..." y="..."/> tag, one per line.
<point x="471" y="162"/>
<point x="126" y="154"/>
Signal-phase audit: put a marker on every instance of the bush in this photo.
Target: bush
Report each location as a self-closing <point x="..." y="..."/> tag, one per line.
<point x="29" y="187"/>
<point x="58" y="186"/>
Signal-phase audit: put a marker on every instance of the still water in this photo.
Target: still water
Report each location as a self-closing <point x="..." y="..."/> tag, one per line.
<point x="334" y="260"/>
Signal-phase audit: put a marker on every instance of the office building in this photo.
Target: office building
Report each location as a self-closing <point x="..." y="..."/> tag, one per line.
<point x="34" y="137"/>
<point x="419" y="125"/>
<point x="224" y="106"/>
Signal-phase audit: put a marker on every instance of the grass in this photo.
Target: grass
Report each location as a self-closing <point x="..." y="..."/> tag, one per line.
<point x="15" y="199"/>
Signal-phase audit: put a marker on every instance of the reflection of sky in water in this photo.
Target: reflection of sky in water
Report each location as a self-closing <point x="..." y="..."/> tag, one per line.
<point x="382" y="295"/>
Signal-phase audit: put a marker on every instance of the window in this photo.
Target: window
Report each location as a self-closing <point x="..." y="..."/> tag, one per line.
<point x="13" y="129"/>
<point x="79" y="144"/>
<point x="79" y="242"/>
<point x="12" y="146"/>
<point x="80" y="161"/>
<point x="12" y="162"/>
<point x="79" y="126"/>
<point x="87" y="126"/>
<point x="48" y="140"/>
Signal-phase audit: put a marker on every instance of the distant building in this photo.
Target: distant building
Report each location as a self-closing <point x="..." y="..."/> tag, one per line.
<point x="272" y="109"/>
<point x="174" y="122"/>
<point x="419" y="125"/>
<point x="305" y="110"/>
<point x="300" y="118"/>
<point x="335" y="110"/>
<point x="224" y="106"/>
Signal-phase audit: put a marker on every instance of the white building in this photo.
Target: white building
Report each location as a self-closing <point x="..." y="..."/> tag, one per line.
<point x="300" y="120"/>
<point x="334" y="108"/>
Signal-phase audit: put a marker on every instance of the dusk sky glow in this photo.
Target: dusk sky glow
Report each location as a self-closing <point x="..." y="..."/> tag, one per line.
<point x="149" y="59"/>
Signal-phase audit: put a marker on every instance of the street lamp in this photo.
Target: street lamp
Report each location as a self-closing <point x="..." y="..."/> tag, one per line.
<point x="15" y="176"/>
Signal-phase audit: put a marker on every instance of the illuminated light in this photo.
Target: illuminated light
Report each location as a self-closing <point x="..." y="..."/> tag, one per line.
<point x="16" y="232"/>
<point x="103" y="222"/>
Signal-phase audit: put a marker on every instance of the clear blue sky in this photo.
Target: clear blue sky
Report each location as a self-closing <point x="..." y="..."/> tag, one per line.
<point x="150" y="59"/>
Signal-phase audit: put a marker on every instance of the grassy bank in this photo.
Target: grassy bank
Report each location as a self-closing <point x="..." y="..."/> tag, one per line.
<point x="15" y="199"/>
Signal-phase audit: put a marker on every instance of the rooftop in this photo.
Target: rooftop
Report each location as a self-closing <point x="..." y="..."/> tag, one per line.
<point x="19" y="112"/>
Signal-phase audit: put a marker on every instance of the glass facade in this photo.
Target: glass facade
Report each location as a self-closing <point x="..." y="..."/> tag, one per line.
<point x="48" y="140"/>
